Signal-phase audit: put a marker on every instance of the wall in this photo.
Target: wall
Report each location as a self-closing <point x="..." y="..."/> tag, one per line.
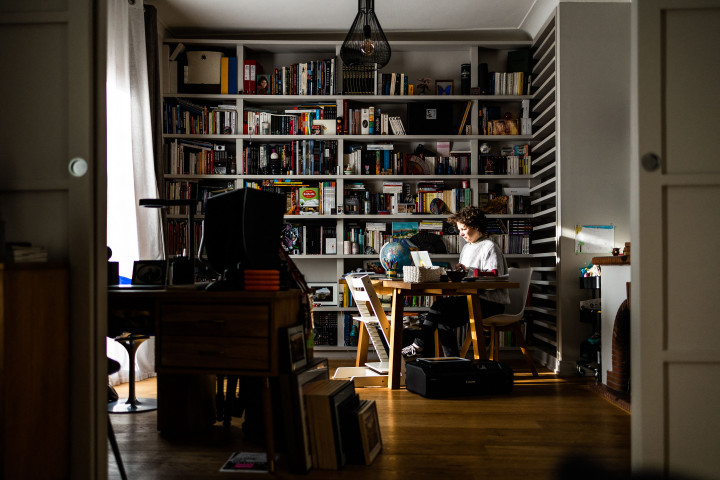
<point x="594" y="135"/>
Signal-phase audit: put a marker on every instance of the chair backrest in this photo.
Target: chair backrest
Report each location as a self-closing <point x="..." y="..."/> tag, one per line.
<point x="518" y="296"/>
<point x="371" y="312"/>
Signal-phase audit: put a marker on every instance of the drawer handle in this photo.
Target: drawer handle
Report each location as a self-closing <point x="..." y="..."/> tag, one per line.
<point x="211" y="321"/>
<point x="212" y="352"/>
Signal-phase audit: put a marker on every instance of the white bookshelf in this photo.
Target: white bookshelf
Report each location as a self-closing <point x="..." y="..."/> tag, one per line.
<point x="437" y="60"/>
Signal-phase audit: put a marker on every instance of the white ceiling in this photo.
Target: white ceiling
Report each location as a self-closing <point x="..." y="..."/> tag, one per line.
<point x="519" y="18"/>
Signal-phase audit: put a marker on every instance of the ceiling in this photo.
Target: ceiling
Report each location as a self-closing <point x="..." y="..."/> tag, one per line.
<point x="482" y="19"/>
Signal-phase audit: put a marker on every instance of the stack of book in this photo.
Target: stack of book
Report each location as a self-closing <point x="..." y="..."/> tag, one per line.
<point x="25" y="252"/>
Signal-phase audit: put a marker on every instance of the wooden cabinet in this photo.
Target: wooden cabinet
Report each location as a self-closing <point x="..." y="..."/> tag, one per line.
<point x="34" y="371"/>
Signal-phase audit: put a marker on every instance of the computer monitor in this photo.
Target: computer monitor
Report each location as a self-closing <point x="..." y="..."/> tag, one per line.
<point x="243" y="227"/>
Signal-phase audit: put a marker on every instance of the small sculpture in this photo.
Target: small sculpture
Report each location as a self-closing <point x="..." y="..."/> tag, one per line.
<point x="424" y="86"/>
<point x="369" y="250"/>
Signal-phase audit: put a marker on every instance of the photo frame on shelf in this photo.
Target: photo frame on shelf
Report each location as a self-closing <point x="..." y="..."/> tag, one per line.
<point x="325" y="293"/>
<point x="293" y="351"/>
<point x="444" y="87"/>
<point x="406" y="208"/>
<point x="373" y="266"/>
<point x="149" y="272"/>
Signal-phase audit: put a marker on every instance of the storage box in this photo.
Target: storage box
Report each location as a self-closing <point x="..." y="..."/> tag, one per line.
<point x="204" y="68"/>
<point x="429" y="118"/>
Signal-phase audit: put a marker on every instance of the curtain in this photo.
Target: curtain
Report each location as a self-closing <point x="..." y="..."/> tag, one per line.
<point x="134" y="233"/>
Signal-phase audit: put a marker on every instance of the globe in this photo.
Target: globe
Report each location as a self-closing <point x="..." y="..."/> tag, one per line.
<point x="395" y="255"/>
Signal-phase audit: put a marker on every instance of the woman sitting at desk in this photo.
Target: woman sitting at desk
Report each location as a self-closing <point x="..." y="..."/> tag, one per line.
<point x="449" y="313"/>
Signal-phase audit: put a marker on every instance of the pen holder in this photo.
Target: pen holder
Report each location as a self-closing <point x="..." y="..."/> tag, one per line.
<point x="391" y="273"/>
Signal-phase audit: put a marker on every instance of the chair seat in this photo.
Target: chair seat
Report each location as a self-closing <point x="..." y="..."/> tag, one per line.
<point x="501" y="320"/>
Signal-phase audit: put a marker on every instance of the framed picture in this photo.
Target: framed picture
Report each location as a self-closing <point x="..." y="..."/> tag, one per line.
<point x="406" y="207"/>
<point x="293" y="387"/>
<point x="370" y="431"/>
<point x="263" y="84"/>
<point x="149" y="272"/>
<point x="292" y="342"/>
<point x="325" y="293"/>
<point x="442" y="87"/>
<point x="373" y="266"/>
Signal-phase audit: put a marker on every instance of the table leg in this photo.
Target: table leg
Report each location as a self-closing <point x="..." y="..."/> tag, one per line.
<point x="396" y="330"/>
<point x="476" y="327"/>
<point x="268" y="414"/>
<point x="363" y="345"/>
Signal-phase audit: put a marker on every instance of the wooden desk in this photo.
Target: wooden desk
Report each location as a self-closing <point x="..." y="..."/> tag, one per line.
<point x="399" y="290"/>
<point x="199" y="332"/>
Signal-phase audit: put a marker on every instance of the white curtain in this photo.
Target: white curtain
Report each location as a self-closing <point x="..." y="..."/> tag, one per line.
<point x="133" y="233"/>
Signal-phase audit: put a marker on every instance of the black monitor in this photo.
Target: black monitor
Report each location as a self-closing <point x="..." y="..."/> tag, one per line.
<point x="243" y="227"/>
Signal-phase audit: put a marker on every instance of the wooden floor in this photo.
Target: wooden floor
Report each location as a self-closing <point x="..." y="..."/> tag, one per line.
<point x="526" y="434"/>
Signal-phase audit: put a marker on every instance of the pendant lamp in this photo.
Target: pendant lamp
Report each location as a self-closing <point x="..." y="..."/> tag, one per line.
<point x="365" y="43"/>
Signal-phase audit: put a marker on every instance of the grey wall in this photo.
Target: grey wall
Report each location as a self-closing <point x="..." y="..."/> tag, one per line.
<point x="594" y="136"/>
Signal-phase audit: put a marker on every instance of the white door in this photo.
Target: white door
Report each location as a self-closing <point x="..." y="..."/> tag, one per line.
<point x="53" y="112"/>
<point x="676" y="237"/>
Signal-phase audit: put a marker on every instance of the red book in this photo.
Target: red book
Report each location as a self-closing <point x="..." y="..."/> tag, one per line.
<point x="346" y="123"/>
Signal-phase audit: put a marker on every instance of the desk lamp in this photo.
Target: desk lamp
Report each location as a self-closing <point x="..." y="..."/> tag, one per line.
<point x="185" y="276"/>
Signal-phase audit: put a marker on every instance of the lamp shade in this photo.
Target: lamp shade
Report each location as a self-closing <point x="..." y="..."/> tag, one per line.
<point x="365" y="43"/>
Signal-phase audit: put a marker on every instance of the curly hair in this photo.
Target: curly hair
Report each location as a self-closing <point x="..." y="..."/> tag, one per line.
<point x="470" y="217"/>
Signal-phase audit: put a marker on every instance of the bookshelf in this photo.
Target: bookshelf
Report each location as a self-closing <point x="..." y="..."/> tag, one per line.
<point x="437" y="60"/>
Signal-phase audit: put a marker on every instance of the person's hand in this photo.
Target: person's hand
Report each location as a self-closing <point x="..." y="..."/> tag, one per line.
<point x="460" y="267"/>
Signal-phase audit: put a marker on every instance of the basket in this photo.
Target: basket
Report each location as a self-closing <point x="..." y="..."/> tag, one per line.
<point x="413" y="274"/>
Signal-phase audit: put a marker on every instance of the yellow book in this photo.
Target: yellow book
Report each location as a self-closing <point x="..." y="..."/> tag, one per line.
<point x="224" y="75"/>
<point x="410" y="89"/>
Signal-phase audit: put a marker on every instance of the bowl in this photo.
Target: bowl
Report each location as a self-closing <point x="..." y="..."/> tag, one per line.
<point x="456" y="275"/>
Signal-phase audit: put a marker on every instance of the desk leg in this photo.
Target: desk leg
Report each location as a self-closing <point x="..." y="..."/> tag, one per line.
<point x="476" y="329"/>
<point x="396" y="330"/>
<point x="363" y="345"/>
<point x="269" y="437"/>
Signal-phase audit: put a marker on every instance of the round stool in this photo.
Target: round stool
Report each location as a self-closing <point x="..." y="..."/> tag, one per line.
<point x="132" y="404"/>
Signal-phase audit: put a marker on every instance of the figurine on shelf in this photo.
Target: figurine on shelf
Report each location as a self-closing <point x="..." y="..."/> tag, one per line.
<point x="424" y="86"/>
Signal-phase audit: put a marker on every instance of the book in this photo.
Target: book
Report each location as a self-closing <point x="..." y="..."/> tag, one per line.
<point x="232" y="76"/>
<point x="224" y="65"/>
<point x="247" y="462"/>
<point x="323" y="405"/>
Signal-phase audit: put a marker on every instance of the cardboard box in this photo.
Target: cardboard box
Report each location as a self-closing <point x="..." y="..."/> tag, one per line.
<point x="204" y="68"/>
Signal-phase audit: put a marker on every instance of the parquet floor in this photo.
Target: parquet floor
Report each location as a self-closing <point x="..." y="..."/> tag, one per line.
<point x="526" y="434"/>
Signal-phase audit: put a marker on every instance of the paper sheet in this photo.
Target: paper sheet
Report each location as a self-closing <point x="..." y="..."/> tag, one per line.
<point x="594" y="238"/>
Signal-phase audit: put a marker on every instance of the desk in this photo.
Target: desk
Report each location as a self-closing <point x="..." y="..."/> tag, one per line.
<point x="399" y="290"/>
<point x="199" y="332"/>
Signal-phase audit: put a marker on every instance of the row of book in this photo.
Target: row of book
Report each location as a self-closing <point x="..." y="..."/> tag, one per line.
<point x="301" y="157"/>
<point x="316" y="77"/>
<point x="453" y="199"/>
<point x="325" y="328"/>
<point x="186" y="117"/>
<point x="359" y="80"/>
<point x="201" y="189"/>
<point x="294" y="121"/>
<point x="176" y="237"/>
<point x="512" y="244"/>
<point x="510" y="83"/>
<point x="505" y="165"/>
<point x="191" y="157"/>
<point x="370" y="121"/>
<point x="381" y="159"/>
<point x="301" y="199"/>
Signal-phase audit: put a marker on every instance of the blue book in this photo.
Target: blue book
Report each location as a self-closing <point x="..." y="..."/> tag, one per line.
<point x="232" y="76"/>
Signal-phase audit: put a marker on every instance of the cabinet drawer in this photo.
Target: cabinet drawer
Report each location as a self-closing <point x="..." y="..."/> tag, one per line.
<point x="215" y="353"/>
<point x="214" y="320"/>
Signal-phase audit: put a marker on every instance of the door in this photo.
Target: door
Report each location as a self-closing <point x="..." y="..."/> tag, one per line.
<point x="53" y="101"/>
<point x="676" y="237"/>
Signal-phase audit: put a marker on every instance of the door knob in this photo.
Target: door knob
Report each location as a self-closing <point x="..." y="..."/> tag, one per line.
<point x="650" y="162"/>
<point x="78" y="167"/>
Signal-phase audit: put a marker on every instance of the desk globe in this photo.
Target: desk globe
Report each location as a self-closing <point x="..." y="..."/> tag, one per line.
<point x="394" y="256"/>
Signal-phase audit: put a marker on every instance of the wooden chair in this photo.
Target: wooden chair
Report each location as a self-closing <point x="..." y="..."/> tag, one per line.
<point x="375" y="328"/>
<point x="510" y="320"/>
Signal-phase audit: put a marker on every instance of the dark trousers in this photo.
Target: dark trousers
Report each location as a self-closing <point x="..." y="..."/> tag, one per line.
<point x="446" y="315"/>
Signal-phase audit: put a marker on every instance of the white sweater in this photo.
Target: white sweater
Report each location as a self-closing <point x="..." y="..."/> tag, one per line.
<point x="486" y="256"/>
